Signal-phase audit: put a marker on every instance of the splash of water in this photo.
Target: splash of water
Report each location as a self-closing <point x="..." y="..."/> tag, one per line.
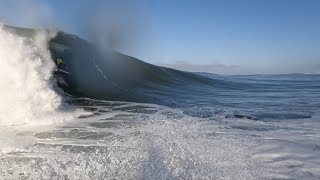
<point x="27" y="88"/>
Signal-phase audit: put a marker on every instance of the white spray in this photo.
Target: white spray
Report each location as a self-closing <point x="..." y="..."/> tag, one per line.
<point x="26" y="83"/>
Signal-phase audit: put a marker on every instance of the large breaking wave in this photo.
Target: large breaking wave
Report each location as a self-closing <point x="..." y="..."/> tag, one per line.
<point x="212" y="127"/>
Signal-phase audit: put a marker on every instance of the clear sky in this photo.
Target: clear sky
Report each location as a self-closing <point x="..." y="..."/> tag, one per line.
<point x="219" y="36"/>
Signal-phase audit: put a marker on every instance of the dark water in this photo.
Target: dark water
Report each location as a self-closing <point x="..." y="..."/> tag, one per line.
<point x="140" y="121"/>
<point x="260" y="97"/>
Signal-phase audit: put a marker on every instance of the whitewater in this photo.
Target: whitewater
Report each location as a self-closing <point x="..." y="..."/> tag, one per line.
<point x="158" y="124"/>
<point x="27" y="86"/>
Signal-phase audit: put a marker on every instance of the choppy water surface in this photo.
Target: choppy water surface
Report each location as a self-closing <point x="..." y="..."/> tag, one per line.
<point x="266" y="131"/>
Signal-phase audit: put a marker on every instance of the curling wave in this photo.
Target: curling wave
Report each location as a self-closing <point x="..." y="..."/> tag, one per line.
<point x="87" y="71"/>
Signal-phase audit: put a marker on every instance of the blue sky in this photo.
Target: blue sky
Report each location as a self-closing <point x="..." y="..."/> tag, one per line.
<point x="224" y="37"/>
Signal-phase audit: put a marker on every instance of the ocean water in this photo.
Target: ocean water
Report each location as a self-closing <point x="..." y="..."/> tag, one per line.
<point x="179" y="125"/>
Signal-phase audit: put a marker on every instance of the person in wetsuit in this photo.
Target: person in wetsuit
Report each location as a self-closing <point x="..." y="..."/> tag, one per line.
<point x="62" y="71"/>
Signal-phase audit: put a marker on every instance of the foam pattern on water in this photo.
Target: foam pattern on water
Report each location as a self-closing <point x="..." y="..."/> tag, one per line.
<point x="120" y="142"/>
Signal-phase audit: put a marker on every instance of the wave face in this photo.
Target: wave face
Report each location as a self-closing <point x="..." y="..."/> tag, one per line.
<point x="109" y="75"/>
<point x="27" y="86"/>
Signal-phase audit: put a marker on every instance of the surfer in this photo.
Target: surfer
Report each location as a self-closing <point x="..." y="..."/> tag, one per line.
<point x="60" y="66"/>
<point x="59" y="62"/>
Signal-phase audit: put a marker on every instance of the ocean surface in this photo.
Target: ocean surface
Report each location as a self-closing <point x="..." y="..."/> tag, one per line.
<point x="178" y="125"/>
